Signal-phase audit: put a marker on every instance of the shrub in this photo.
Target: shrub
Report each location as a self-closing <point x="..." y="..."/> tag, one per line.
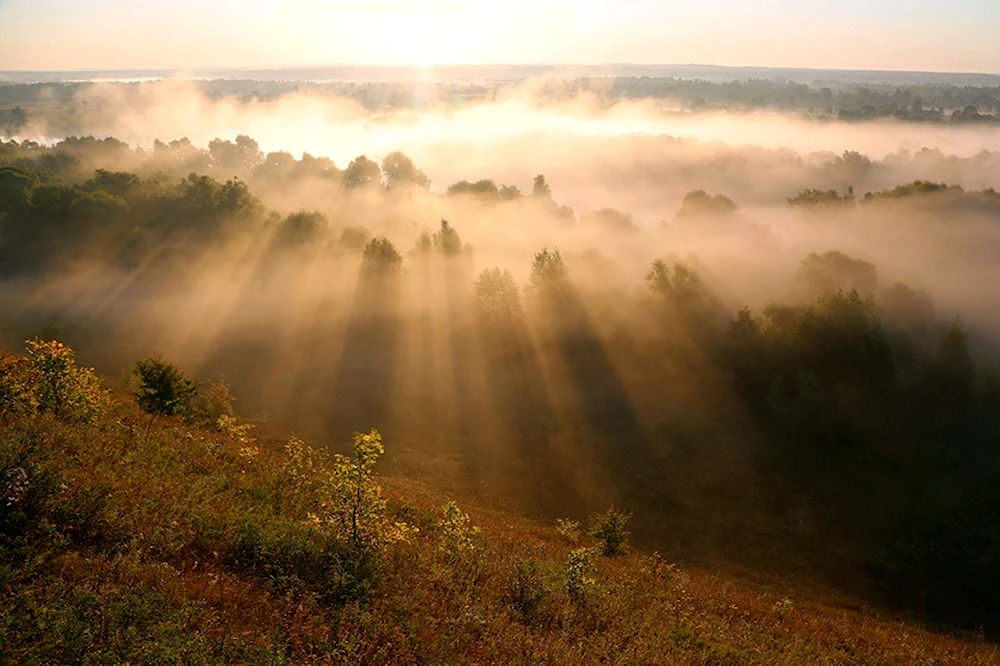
<point x="609" y="529"/>
<point x="339" y="548"/>
<point x="569" y="529"/>
<point x="458" y="537"/>
<point x="527" y="590"/>
<point x="163" y="390"/>
<point x="291" y="557"/>
<point x="61" y="386"/>
<point x="580" y="574"/>
<point x="351" y="501"/>
<point x="230" y="427"/>
<point x="216" y="400"/>
<point x="304" y="466"/>
<point x="17" y="385"/>
<point x="29" y="491"/>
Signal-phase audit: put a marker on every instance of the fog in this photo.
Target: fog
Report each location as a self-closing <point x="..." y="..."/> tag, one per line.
<point x="563" y="406"/>
<point x="518" y="134"/>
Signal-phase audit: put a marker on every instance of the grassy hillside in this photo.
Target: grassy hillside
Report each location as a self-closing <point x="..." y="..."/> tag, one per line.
<point x="127" y="538"/>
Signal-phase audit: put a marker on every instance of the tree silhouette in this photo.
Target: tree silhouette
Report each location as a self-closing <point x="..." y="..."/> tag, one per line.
<point x="400" y="172"/>
<point x="362" y="173"/>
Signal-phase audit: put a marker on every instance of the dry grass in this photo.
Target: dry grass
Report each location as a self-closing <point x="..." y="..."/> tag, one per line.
<point x="138" y="555"/>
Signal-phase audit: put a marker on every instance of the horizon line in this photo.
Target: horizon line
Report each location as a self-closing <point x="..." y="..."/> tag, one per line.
<point x="281" y="67"/>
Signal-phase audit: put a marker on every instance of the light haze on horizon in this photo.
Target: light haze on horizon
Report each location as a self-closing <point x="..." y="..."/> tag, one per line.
<point x="925" y="35"/>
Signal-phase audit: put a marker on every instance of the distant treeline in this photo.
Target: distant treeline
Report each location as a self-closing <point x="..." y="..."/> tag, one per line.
<point x="936" y="103"/>
<point x="924" y="103"/>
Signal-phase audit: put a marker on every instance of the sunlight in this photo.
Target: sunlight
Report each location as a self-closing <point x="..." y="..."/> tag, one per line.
<point x="449" y="33"/>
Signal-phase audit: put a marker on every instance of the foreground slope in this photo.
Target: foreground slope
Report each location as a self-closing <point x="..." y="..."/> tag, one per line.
<point x="128" y="538"/>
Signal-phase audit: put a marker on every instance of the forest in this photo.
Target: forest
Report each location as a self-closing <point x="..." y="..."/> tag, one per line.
<point x="792" y="369"/>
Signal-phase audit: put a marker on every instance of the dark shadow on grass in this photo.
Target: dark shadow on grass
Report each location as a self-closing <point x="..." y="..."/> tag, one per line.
<point x="602" y="409"/>
<point x="362" y="386"/>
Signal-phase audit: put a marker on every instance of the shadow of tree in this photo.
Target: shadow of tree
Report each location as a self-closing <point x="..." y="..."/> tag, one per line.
<point x="361" y="389"/>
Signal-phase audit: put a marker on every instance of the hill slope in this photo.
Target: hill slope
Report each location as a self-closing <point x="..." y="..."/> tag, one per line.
<point x="125" y="538"/>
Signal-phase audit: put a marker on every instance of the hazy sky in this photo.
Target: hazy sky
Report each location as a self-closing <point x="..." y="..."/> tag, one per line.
<point x="935" y="35"/>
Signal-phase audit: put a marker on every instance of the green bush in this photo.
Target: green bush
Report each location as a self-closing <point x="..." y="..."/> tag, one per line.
<point x="163" y="389"/>
<point x="609" y="529"/>
<point x="295" y="558"/>
<point x="527" y="591"/>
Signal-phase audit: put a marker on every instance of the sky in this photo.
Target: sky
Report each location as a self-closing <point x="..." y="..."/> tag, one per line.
<point x="924" y="35"/>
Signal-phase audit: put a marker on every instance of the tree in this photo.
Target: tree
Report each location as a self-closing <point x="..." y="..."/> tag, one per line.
<point x="822" y="199"/>
<point x="16" y="190"/>
<point x="447" y="241"/>
<point x="400" y="172"/>
<point x="276" y="166"/>
<point x="509" y="193"/>
<point x="484" y="191"/>
<point x="609" y="528"/>
<point x="239" y="157"/>
<point x="849" y="168"/>
<point x="17" y="121"/>
<point x="117" y="183"/>
<point x="496" y="296"/>
<point x="835" y="271"/>
<point x="354" y="239"/>
<point x="611" y="220"/>
<point x="381" y="256"/>
<point x="679" y="288"/>
<point x="951" y="377"/>
<point x="362" y="173"/>
<point x="908" y="309"/>
<point x="548" y="272"/>
<point x="424" y="244"/>
<point x="302" y="228"/>
<point x="163" y="389"/>
<point x="540" y="188"/>
<point x="700" y="203"/>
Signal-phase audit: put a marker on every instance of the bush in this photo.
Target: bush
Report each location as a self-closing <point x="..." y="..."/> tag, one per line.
<point x="569" y="529"/>
<point x="527" y="590"/>
<point x="58" y="384"/>
<point x="458" y="537"/>
<point x="609" y="529"/>
<point x="351" y="502"/>
<point x="163" y="390"/>
<point x="292" y="557"/>
<point x="27" y="490"/>
<point x="17" y="385"/>
<point x="304" y="468"/>
<point x="580" y="574"/>
<point x="215" y="401"/>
